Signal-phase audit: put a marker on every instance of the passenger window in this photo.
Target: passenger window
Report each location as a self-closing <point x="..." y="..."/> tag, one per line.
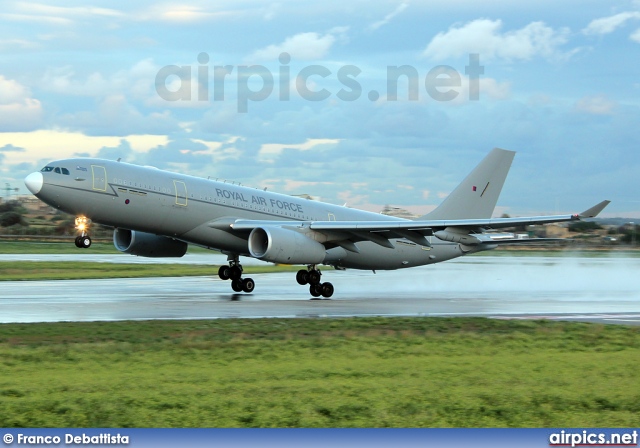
<point x="47" y="169"/>
<point x="57" y="170"/>
<point x="65" y="171"/>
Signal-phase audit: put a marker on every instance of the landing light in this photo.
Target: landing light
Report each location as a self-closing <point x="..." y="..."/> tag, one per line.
<point x="82" y="223"/>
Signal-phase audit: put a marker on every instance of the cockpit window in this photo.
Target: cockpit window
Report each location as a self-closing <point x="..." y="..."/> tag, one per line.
<point x="57" y="170"/>
<point x="47" y="169"/>
<point x="65" y="171"/>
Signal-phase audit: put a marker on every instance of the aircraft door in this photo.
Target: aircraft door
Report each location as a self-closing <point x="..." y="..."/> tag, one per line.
<point x="99" y="177"/>
<point x="181" y="192"/>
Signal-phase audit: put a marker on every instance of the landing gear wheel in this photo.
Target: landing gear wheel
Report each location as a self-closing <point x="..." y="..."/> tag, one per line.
<point x="315" y="290"/>
<point x="326" y="289"/>
<point x="236" y="285"/>
<point x="78" y="242"/>
<point x="235" y="272"/>
<point x="223" y="272"/>
<point x="302" y="277"/>
<point x="314" y="277"/>
<point x="248" y="284"/>
<point x="85" y="242"/>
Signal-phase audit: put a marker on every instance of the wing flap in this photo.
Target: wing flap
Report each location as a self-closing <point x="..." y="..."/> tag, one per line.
<point x="347" y="233"/>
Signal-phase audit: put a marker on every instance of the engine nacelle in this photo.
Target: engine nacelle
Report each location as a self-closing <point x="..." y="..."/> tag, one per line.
<point x="456" y="236"/>
<point x="279" y="245"/>
<point x="147" y="244"/>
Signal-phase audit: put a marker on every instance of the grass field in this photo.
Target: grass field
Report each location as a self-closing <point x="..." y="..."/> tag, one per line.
<point x="66" y="247"/>
<point x="74" y="270"/>
<point x="359" y="372"/>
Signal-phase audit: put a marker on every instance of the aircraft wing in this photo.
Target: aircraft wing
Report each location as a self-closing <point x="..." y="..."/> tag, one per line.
<point x="466" y="231"/>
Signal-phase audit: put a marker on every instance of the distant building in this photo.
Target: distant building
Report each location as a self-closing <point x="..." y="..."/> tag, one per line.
<point x="556" y="231"/>
<point x="35" y="205"/>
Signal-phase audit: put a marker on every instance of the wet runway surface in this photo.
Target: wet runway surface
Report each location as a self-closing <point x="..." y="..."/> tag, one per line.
<point x="587" y="289"/>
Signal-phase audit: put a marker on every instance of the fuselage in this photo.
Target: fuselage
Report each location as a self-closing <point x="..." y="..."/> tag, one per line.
<point x="187" y="208"/>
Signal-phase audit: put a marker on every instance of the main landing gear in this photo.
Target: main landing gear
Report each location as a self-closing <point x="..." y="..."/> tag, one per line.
<point x="312" y="277"/>
<point x="233" y="272"/>
<point x="83" y="240"/>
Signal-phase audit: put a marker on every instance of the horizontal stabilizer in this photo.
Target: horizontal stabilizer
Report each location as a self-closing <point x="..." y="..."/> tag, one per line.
<point x="595" y="210"/>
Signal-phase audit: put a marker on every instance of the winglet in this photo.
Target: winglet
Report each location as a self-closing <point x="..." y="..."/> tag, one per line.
<point x="594" y="211"/>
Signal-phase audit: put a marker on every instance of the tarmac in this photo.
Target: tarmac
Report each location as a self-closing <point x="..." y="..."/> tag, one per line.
<point x="584" y="289"/>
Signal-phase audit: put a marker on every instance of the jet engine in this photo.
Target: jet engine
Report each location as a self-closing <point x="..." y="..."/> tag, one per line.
<point x="279" y="245"/>
<point x="147" y="244"/>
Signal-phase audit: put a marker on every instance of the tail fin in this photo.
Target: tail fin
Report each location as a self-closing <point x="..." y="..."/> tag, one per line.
<point x="477" y="195"/>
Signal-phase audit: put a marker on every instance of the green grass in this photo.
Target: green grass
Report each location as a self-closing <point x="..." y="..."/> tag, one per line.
<point x="72" y="270"/>
<point x="67" y="247"/>
<point x="47" y="247"/>
<point x="359" y="372"/>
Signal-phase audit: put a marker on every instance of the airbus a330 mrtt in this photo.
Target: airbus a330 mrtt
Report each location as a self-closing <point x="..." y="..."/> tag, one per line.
<point x="157" y="213"/>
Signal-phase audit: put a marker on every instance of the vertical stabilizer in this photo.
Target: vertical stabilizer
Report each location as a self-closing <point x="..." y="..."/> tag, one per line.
<point x="477" y="195"/>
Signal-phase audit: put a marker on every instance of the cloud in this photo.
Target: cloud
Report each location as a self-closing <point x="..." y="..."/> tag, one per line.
<point x="136" y="81"/>
<point x="11" y="17"/>
<point x="635" y="36"/>
<point x="606" y="25"/>
<point x="58" y="144"/>
<point x="114" y="153"/>
<point x="269" y="151"/>
<point x="298" y="185"/>
<point x="116" y="116"/>
<point x="596" y="105"/>
<point x="11" y="91"/>
<point x="303" y="46"/>
<point x="13" y="44"/>
<point x="182" y="13"/>
<point x="9" y="147"/>
<point x="18" y="111"/>
<point x="55" y="15"/>
<point x="76" y="11"/>
<point x="483" y="36"/>
<point x="375" y="25"/>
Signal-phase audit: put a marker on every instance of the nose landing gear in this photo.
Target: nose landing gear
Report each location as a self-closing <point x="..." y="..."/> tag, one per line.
<point x="83" y="241"/>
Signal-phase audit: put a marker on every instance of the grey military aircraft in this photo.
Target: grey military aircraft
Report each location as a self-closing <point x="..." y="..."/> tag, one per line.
<point x="157" y="213"/>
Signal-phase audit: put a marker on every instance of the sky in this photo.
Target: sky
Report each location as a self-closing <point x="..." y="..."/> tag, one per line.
<point x="363" y="103"/>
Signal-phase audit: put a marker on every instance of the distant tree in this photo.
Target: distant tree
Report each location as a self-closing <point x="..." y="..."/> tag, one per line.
<point x="65" y="227"/>
<point x="630" y="234"/>
<point x="11" y="218"/>
<point x="9" y="206"/>
<point x="584" y="226"/>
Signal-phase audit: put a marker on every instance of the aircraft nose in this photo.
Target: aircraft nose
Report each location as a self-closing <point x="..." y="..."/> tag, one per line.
<point x="34" y="182"/>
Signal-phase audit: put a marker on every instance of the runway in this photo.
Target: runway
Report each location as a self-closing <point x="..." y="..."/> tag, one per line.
<point x="592" y="289"/>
